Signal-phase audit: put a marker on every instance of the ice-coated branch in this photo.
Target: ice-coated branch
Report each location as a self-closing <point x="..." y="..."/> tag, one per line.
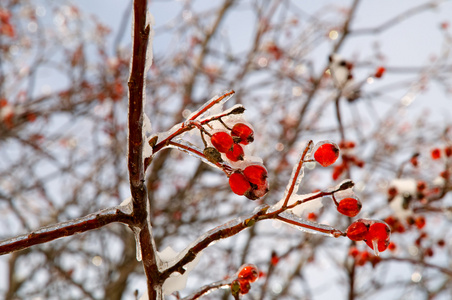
<point x="189" y="125"/>
<point x="206" y="289"/>
<point x="140" y="35"/>
<point x="63" y="229"/>
<point x="295" y="178"/>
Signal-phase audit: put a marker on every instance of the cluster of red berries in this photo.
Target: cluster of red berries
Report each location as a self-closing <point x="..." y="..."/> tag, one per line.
<point x="247" y="274"/>
<point x="348" y="159"/>
<point x="230" y="144"/>
<point x="375" y="233"/>
<point x="250" y="182"/>
<point x="436" y="153"/>
<point x="326" y="153"/>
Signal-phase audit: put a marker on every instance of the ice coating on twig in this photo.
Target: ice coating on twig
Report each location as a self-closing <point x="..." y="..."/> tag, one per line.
<point x="176" y="281"/>
<point x="150" y="21"/>
<point x="169" y="263"/>
<point x="342" y="186"/>
<point x="214" y="101"/>
<point x="298" y="172"/>
<point x="180" y="143"/>
<point x="307" y="226"/>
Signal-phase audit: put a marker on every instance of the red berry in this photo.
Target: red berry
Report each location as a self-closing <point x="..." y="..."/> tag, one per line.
<point x="245" y="286"/>
<point x="326" y="154"/>
<point x="243" y="132"/>
<point x="349" y="207"/>
<point x="239" y="184"/>
<point x="274" y="259"/>
<point x="337" y="171"/>
<point x="420" y="222"/>
<point x="248" y="272"/>
<point x="256" y="174"/>
<point x="353" y="252"/>
<point x="448" y="151"/>
<point x="235" y="153"/>
<point x="436" y="153"/>
<point x="222" y="141"/>
<point x="257" y="191"/>
<point x="379" y="73"/>
<point x="392" y="247"/>
<point x="358" y="230"/>
<point x="378" y="235"/>
<point x="312" y="216"/>
<point x="421" y="185"/>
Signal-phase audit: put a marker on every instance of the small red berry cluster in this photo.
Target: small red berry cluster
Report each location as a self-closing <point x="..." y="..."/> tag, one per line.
<point x="250" y="182"/>
<point x="348" y="159"/>
<point x="375" y="233"/>
<point x="362" y="257"/>
<point x="247" y="274"/>
<point x="436" y="153"/>
<point x="230" y="144"/>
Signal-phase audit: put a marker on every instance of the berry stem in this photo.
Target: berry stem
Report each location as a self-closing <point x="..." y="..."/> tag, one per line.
<point x="225" y="168"/>
<point x="334" y="232"/>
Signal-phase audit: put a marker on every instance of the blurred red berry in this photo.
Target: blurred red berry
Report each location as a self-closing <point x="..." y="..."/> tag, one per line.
<point x="448" y="151"/>
<point x="392" y="247"/>
<point x="222" y="141"/>
<point x="326" y="154"/>
<point x="436" y="153"/>
<point x="243" y="133"/>
<point x="337" y="171"/>
<point x="379" y="73"/>
<point x="349" y="207"/>
<point x="353" y="252"/>
<point x="420" y="222"/>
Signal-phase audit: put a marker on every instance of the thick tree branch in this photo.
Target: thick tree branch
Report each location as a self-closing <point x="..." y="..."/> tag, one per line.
<point x="141" y="31"/>
<point x="68" y="228"/>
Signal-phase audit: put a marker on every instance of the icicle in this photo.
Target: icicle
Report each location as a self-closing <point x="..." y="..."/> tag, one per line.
<point x="136" y="232"/>
<point x="375" y="245"/>
<point x="150" y="21"/>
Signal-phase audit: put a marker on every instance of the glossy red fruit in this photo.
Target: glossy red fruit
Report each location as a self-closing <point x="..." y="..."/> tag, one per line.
<point x="326" y="154"/>
<point x="222" y="141"/>
<point x="349" y="207"/>
<point x="357" y="231"/>
<point x="235" y="153"/>
<point x="248" y="272"/>
<point x="239" y="184"/>
<point x="378" y="235"/>
<point x="245" y="286"/>
<point x="243" y="132"/>
<point x="256" y="174"/>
